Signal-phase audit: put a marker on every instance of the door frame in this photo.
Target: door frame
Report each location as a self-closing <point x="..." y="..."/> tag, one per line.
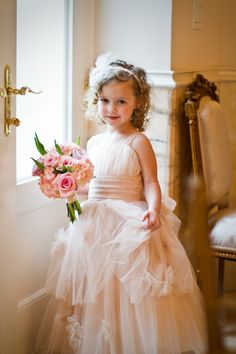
<point x="8" y="239"/>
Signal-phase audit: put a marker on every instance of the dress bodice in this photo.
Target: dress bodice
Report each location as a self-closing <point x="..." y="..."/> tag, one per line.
<point x="117" y="170"/>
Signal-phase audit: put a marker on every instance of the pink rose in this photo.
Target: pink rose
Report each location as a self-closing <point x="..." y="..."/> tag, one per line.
<point x="67" y="148"/>
<point x="49" y="174"/>
<point x="78" y="153"/>
<point x="36" y="171"/>
<point x="50" y="159"/>
<point x="67" y="161"/>
<point x="66" y="185"/>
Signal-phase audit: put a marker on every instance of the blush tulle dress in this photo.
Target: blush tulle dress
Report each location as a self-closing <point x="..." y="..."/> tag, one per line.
<point x="116" y="287"/>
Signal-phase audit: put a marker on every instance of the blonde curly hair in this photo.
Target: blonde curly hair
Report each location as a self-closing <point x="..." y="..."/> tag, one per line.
<point x="105" y="72"/>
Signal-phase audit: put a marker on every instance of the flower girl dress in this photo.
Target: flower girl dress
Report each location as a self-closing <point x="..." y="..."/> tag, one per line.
<point x="116" y="287"/>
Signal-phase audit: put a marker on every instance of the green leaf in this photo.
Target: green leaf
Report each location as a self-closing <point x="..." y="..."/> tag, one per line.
<point x="78" y="207"/>
<point x="39" y="164"/>
<point x="63" y="169"/>
<point x="71" y="212"/>
<point x="39" y="145"/>
<point x="58" y="148"/>
<point x="78" y="141"/>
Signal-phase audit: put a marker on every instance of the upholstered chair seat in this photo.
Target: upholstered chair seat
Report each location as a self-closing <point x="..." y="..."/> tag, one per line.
<point x="223" y="230"/>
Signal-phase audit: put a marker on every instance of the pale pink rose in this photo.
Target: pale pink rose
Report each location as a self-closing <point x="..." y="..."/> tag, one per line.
<point x="67" y="161"/>
<point x="50" y="159"/>
<point x="78" y="153"/>
<point x="49" y="174"/>
<point x="67" y="148"/>
<point x="66" y="185"/>
<point x="36" y="172"/>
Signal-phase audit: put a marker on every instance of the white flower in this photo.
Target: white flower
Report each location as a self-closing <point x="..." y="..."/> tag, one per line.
<point x="102" y="70"/>
<point x="75" y="332"/>
<point x="105" y="59"/>
<point x="105" y="330"/>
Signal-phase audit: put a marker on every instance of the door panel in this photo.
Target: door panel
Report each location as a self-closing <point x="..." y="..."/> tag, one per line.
<point x="28" y="222"/>
<point x="41" y="65"/>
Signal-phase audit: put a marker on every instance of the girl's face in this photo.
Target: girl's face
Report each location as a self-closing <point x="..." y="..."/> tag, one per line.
<point x="116" y="104"/>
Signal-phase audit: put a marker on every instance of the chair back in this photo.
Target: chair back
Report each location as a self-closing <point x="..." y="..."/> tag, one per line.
<point x="215" y="151"/>
<point x="209" y="138"/>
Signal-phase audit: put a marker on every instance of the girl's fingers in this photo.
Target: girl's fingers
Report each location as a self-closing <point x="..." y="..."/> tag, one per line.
<point x="145" y="216"/>
<point x="150" y="221"/>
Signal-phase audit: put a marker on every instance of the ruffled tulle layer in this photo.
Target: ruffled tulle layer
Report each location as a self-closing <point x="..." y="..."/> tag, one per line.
<point x="120" y="289"/>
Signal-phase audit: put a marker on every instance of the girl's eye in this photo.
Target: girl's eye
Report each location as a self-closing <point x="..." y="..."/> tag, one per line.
<point x="103" y="100"/>
<point x="121" y="101"/>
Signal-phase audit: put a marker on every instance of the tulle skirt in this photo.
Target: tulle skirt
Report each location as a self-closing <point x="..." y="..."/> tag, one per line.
<point x="120" y="289"/>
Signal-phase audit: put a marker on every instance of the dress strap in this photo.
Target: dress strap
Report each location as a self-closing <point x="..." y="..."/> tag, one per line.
<point x="131" y="137"/>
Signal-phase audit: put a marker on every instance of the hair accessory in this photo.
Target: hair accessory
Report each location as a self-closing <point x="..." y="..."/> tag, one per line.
<point x="103" y="70"/>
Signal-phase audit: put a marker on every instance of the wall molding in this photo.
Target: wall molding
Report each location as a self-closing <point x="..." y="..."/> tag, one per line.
<point x="161" y="79"/>
<point x="30" y="300"/>
<point x="172" y="79"/>
<point x="29" y="197"/>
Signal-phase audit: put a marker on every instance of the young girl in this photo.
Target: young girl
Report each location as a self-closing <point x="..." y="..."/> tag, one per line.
<point x="120" y="276"/>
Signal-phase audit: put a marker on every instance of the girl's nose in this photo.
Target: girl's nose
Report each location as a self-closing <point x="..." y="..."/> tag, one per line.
<point x="112" y="107"/>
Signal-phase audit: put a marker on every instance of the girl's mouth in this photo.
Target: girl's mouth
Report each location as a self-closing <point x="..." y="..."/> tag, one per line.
<point x="112" y="117"/>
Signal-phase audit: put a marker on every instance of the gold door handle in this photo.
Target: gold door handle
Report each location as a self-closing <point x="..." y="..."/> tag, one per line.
<point x="10" y="91"/>
<point x="7" y="92"/>
<point x="13" y="121"/>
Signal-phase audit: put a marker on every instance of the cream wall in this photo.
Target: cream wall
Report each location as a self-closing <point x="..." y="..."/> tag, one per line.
<point x="195" y="49"/>
<point x="227" y="45"/>
<point x="136" y="30"/>
<point x="213" y="46"/>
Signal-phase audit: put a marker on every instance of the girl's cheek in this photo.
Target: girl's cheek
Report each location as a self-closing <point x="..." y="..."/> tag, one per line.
<point x="100" y="110"/>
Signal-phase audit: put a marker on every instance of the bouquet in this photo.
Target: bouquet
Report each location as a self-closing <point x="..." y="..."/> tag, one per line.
<point x="62" y="170"/>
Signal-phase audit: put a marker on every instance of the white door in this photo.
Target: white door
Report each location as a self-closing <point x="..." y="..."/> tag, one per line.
<point x="28" y="220"/>
<point x="41" y="65"/>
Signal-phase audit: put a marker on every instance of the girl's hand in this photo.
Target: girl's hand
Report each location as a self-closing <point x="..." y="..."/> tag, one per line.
<point x="151" y="220"/>
<point x="83" y="189"/>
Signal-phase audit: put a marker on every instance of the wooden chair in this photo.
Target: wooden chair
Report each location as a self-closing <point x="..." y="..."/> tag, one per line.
<point x="220" y="310"/>
<point x="211" y="161"/>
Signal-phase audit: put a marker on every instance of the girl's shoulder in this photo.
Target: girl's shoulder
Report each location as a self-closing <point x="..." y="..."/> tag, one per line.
<point x="141" y="144"/>
<point x="138" y="139"/>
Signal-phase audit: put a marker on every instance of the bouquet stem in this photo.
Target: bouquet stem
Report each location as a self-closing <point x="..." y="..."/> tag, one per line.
<point x="72" y="209"/>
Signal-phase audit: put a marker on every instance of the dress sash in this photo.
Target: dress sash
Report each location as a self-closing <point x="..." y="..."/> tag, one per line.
<point x="123" y="188"/>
